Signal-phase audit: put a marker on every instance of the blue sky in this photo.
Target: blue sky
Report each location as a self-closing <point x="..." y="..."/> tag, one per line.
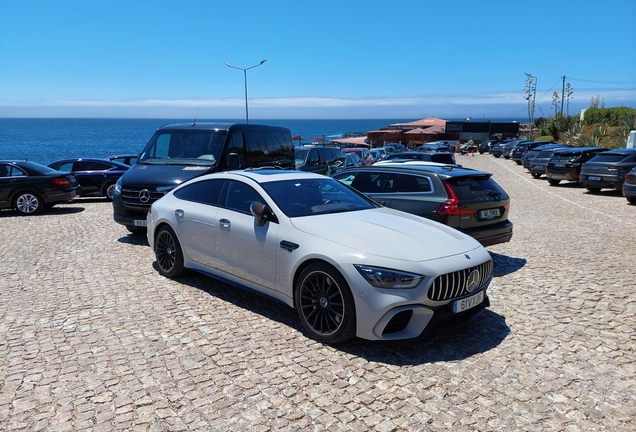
<point x="325" y="59"/>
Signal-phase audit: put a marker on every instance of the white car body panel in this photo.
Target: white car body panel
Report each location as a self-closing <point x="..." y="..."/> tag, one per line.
<point x="251" y="255"/>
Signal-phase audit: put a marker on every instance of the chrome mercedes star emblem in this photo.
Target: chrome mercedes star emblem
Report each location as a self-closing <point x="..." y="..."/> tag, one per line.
<point x="144" y="196"/>
<point x="473" y="281"/>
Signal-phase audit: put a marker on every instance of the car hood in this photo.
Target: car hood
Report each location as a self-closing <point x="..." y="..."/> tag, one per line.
<point x="145" y="175"/>
<point x="388" y="233"/>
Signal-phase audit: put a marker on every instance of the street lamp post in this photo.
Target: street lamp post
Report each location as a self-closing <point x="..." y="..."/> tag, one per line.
<point x="245" y="80"/>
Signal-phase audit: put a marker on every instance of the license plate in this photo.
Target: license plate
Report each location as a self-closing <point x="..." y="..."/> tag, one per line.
<point x="559" y="165"/>
<point x="594" y="178"/>
<point x="140" y="222"/>
<point x="489" y="214"/>
<point x="468" y="302"/>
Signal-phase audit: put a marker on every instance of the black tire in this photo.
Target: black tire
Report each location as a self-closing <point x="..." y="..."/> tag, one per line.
<point x="497" y="156"/>
<point x="593" y="189"/>
<point x="554" y="182"/>
<point x="518" y="162"/>
<point x="536" y="175"/>
<point x="168" y="253"/>
<point x="325" y="305"/>
<point x="28" y="203"/>
<point x="108" y="191"/>
<point x="631" y="200"/>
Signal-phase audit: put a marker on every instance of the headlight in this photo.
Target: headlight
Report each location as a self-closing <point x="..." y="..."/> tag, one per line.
<point x="118" y="185"/>
<point x="387" y="278"/>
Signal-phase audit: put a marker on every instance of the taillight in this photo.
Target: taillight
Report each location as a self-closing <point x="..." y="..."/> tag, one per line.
<point x="630" y="178"/>
<point x="450" y="207"/>
<point x="62" y="182"/>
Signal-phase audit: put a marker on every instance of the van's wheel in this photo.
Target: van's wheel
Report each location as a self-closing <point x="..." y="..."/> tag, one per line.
<point x="168" y="252"/>
<point x="109" y="190"/>
<point x="28" y="203"/>
<point x="325" y="304"/>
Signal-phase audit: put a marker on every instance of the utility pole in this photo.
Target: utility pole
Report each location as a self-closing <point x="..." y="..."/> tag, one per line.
<point x="562" y="95"/>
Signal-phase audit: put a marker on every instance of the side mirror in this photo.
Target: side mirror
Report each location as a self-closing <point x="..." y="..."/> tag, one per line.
<point x="260" y="212"/>
<point x="233" y="161"/>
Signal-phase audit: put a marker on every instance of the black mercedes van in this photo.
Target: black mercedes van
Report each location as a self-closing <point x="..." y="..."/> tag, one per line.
<point x="178" y="152"/>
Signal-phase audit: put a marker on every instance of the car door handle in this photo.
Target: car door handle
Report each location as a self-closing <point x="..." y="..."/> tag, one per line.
<point x="225" y="223"/>
<point x="179" y="213"/>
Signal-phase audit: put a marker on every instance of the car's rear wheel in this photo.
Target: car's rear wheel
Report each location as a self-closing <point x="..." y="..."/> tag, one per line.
<point x="554" y="182"/>
<point x="28" y="203"/>
<point x="168" y="253"/>
<point x="109" y="190"/>
<point x="325" y="305"/>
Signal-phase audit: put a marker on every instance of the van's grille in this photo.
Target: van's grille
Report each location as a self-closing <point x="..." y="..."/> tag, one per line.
<point x="132" y="197"/>
<point x="453" y="285"/>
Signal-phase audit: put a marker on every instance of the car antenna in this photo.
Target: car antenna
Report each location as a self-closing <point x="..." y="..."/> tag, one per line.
<point x="194" y="123"/>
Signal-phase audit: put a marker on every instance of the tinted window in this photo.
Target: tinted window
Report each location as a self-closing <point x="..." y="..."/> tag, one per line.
<point x="192" y="147"/>
<point x="610" y="158"/>
<point x="412" y="183"/>
<point x="67" y="167"/>
<point x="204" y="192"/>
<point x="471" y="188"/>
<point x="240" y="196"/>
<point x="311" y="197"/>
<point x="375" y="182"/>
<point x="91" y="166"/>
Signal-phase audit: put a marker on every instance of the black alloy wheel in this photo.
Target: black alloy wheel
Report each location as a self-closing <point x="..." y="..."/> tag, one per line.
<point x="325" y="305"/>
<point x="168" y="252"/>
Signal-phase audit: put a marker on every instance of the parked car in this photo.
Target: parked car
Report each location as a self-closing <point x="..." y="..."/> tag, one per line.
<point x="607" y="170"/>
<point x="539" y="162"/>
<point x="497" y="150"/>
<point x="96" y="177"/>
<point x="377" y="155"/>
<point x="464" y="199"/>
<point x="431" y="156"/>
<point x="522" y="147"/>
<point x="508" y="149"/>
<point x="348" y="160"/>
<point x="528" y="155"/>
<point x="316" y="159"/>
<point x="29" y="187"/>
<point x="125" y="159"/>
<point x="179" y="152"/>
<point x="437" y="146"/>
<point x="348" y="266"/>
<point x="485" y="146"/>
<point x="361" y="152"/>
<point x="565" y="164"/>
<point x="629" y="186"/>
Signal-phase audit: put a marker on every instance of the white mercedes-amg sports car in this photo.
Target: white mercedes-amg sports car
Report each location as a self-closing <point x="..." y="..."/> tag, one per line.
<point x="349" y="266"/>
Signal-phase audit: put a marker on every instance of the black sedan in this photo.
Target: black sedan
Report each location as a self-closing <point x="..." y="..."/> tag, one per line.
<point x="97" y="177"/>
<point x="30" y="187"/>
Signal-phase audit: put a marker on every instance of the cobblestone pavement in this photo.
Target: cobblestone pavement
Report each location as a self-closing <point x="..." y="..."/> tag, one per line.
<point x="93" y="338"/>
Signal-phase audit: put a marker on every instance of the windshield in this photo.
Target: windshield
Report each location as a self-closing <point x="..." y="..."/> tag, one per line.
<point x="184" y="147"/>
<point x="300" y="154"/>
<point x="307" y="197"/>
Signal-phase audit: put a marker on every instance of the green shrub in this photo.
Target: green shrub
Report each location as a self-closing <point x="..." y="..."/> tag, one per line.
<point x="609" y="116"/>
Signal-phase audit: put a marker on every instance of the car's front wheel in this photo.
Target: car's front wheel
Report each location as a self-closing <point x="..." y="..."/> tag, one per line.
<point x="631" y="200"/>
<point x="168" y="253"/>
<point x="109" y="190"/>
<point x="28" y="203"/>
<point x="325" y="304"/>
<point x="554" y="182"/>
<point x="536" y="175"/>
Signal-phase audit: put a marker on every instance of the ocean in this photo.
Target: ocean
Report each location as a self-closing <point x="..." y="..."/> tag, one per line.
<point x="45" y="140"/>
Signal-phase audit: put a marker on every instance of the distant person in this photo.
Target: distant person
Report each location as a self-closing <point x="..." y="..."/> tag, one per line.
<point x="458" y="148"/>
<point x="471" y="146"/>
<point x="369" y="160"/>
